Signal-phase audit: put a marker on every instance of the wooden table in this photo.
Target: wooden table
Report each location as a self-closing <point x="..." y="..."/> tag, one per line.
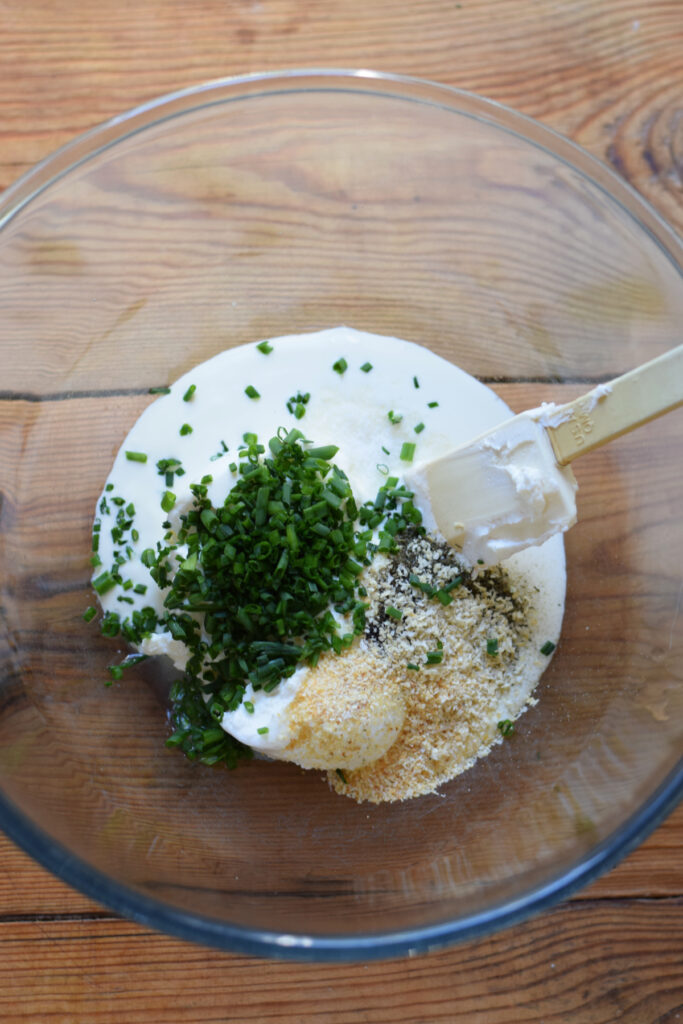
<point x="607" y="73"/>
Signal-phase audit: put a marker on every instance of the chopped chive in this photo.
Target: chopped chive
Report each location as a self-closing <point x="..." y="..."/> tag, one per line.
<point x="109" y="487"/>
<point x="248" y="706"/>
<point x="263" y="730"/>
<point x="393" y="613"/>
<point x="116" y="671"/>
<point x="432" y="405"/>
<point x="480" y="561"/>
<point x="185" y="430"/>
<point x="506" y="727"/>
<point x="265" y="347"/>
<point x="325" y="452"/>
<point x="492" y="646"/>
<point x="104" y="582"/>
<point x="434" y="657"/>
<point x="341" y="366"/>
<point x="386" y="450"/>
<point x="548" y="647"/>
<point x="289" y="512"/>
<point x="366" y="367"/>
<point x="444" y="597"/>
<point x="168" y="501"/>
<point x="407" y="451"/>
<point x="189" y="393"/>
<point x="383" y="468"/>
<point x="90" y="613"/>
<point x="136" y="456"/>
<point x="341" y="775"/>
<point x="412" y="667"/>
<point x="419" y="428"/>
<point x="159" y="391"/>
<point x="140" y="588"/>
<point x="394" y="417"/>
<point x="416" y="382"/>
<point x="134" y="536"/>
<point x="331" y="498"/>
<point x="171" y="465"/>
<point x="251" y="392"/>
<point x="297" y="404"/>
<point x="110" y="624"/>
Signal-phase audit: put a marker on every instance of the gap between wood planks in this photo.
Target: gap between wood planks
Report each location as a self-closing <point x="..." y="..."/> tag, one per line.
<point x="110" y="915"/>
<point x="64" y="396"/>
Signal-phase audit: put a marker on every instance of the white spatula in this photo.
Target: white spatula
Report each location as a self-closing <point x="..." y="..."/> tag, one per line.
<point x="512" y="487"/>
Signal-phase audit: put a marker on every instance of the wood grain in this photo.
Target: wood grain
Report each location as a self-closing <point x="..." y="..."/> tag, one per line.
<point x="616" y="711"/>
<point x="591" y="961"/>
<point x="449" y="237"/>
<point x="609" y="76"/>
<point x="652" y="871"/>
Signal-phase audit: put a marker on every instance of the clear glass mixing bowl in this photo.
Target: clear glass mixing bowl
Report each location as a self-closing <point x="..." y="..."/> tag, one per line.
<point x="281" y="203"/>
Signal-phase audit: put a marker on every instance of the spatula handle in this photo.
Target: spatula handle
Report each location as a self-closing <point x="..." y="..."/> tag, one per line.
<point x="615" y="408"/>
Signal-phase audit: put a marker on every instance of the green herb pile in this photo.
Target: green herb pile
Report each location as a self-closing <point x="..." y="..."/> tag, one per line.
<point x="249" y="585"/>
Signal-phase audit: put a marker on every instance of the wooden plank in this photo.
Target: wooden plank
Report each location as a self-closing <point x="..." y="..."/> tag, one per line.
<point x="157" y="265"/>
<point x="652" y="870"/>
<point x="277" y="240"/>
<point x="589" y="963"/>
<point x="85" y="433"/>
<point x="606" y="74"/>
<point x="27" y="888"/>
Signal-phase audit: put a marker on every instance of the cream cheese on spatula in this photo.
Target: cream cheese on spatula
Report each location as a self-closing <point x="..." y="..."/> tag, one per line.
<point x="499" y="494"/>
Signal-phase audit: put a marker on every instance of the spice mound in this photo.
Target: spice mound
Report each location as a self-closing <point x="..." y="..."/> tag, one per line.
<point x="461" y="644"/>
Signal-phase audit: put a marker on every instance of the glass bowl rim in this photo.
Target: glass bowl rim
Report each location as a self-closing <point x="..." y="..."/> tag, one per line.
<point x="339" y="948"/>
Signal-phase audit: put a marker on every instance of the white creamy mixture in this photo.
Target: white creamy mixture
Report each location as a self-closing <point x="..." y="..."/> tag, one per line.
<point x="511" y="492"/>
<point x="349" y="409"/>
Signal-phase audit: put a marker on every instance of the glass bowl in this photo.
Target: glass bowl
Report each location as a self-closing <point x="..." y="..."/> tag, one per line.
<point x="291" y="202"/>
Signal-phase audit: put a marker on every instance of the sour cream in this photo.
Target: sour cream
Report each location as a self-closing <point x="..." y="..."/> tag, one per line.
<point x="374" y="397"/>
